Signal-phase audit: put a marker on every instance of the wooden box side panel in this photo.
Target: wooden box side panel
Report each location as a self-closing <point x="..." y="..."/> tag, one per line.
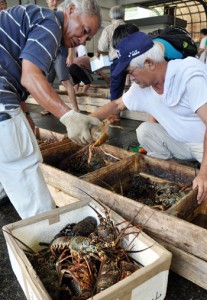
<point x="55" y="153"/>
<point x="168" y="170"/>
<point x="111" y="176"/>
<point x="46" y="134"/>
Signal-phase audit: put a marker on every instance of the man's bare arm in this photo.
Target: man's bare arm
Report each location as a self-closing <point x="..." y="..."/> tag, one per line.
<point x="200" y="181"/>
<point x="36" y="83"/>
<point x="112" y="108"/>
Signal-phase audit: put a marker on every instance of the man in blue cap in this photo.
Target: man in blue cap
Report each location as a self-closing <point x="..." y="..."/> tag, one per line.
<point x="174" y="93"/>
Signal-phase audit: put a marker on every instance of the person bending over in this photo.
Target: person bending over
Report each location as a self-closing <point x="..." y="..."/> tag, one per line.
<point x="28" y="47"/>
<point x="174" y="93"/>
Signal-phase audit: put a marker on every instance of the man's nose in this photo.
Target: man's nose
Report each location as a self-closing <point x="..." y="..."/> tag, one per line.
<point x="84" y="38"/>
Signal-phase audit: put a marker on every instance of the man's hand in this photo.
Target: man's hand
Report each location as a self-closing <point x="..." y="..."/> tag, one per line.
<point x="97" y="53"/>
<point x="69" y="61"/>
<point x="78" y="126"/>
<point x="200" y="182"/>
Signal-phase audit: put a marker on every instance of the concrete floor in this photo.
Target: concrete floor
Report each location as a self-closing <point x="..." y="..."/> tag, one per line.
<point x="178" y="287"/>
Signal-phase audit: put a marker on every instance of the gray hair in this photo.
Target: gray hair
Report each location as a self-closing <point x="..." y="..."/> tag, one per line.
<point x="117" y="12"/>
<point x="156" y="53"/>
<point x="85" y="7"/>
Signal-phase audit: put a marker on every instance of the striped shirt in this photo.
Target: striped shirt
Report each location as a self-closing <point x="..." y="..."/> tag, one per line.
<point x="105" y="40"/>
<point x="26" y="32"/>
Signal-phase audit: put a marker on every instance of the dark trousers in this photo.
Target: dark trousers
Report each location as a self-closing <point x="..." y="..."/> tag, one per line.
<point x="117" y="83"/>
<point x="78" y="74"/>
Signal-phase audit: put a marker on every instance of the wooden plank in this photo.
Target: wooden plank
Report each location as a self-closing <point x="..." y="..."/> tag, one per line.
<point x="47" y="138"/>
<point x="135" y="115"/>
<point x="90" y="105"/>
<point x="92" y="87"/>
<point x="88" y="100"/>
<point x="97" y="101"/>
<point x="115" y="151"/>
<point x="89" y="94"/>
<point x="51" y="144"/>
<point x="86" y="108"/>
<point x="105" y="91"/>
<point x="45" y="134"/>
<point x="199" y="215"/>
<point x="99" y="86"/>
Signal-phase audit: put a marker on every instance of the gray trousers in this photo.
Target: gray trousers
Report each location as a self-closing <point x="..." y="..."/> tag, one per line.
<point x="154" y="138"/>
<point x="20" y="174"/>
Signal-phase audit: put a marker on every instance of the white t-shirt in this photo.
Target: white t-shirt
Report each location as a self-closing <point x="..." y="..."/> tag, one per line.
<point x="202" y="46"/>
<point x="81" y="50"/>
<point x="180" y="121"/>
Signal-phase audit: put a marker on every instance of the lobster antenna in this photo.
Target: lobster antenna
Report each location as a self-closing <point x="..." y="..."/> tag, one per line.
<point x="100" y="180"/>
<point x="92" y="198"/>
<point x="14" y="237"/>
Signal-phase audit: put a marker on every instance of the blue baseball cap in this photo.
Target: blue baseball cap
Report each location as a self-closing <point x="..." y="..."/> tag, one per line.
<point x="130" y="47"/>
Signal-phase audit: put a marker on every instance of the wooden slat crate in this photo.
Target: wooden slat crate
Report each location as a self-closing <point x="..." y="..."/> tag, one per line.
<point x="72" y="158"/>
<point x="119" y="178"/>
<point x="173" y="228"/>
<point x="57" y="150"/>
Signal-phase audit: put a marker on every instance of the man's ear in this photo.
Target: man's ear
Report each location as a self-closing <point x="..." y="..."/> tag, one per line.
<point x="71" y="8"/>
<point x="149" y="63"/>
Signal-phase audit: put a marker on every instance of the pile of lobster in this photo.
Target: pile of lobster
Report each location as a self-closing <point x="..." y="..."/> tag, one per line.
<point x="90" y="258"/>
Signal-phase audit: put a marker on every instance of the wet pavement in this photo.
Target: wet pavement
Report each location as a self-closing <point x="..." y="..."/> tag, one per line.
<point x="178" y="287"/>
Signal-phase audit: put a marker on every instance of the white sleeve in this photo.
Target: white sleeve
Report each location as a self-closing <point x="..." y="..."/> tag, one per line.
<point x="197" y="96"/>
<point x="81" y="50"/>
<point x="202" y="43"/>
<point x="133" y="98"/>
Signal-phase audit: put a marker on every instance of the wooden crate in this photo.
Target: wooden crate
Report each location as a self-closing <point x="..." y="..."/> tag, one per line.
<point x="119" y="177"/>
<point x="72" y="158"/>
<point x="148" y="282"/>
<point x="187" y="241"/>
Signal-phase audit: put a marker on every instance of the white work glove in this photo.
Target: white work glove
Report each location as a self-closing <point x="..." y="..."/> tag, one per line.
<point x="78" y="126"/>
